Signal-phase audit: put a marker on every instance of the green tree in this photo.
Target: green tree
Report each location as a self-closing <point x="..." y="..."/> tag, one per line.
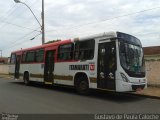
<point x="52" y="41"/>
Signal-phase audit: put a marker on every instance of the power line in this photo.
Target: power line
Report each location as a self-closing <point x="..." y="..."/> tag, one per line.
<point x="33" y="3"/>
<point x="18" y="41"/>
<point x="18" y="25"/>
<point x="24" y="36"/>
<point x="108" y="19"/>
<point x="9" y="14"/>
<point x="4" y="20"/>
<point x="6" y="14"/>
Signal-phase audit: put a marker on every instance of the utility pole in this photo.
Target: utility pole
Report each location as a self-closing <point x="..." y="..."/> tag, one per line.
<point x="43" y="27"/>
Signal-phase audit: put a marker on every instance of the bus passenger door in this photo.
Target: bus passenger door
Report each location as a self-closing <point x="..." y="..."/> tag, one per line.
<point x="17" y="66"/>
<point x="49" y="67"/>
<point x="106" y="66"/>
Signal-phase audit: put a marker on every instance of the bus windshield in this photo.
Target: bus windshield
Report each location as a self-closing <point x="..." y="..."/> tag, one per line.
<point x="131" y="57"/>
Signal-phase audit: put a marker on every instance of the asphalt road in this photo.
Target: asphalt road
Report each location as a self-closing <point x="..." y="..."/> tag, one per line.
<point x="17" y="98"/>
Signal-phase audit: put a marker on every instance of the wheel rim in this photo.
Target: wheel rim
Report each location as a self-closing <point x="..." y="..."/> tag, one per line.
<point x="26" y="79"/>
<point x="83" y="85"/>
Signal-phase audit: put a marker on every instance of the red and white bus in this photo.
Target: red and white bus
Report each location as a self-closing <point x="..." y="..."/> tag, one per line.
<point x="111" y="61"/>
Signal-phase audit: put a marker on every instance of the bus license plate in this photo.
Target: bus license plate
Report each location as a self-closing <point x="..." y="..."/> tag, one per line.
<point x="138" y="89"/>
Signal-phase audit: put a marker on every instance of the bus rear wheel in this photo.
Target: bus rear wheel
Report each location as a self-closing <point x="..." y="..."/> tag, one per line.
<point x="82" y="86"/>
<point x="26" y="79"/>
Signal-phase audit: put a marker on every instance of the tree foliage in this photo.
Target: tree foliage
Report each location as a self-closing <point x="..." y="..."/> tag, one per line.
<point x="52" y="41"/>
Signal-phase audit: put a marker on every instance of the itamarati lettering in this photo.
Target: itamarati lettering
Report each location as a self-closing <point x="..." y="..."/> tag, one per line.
<point x="79" y="67"/>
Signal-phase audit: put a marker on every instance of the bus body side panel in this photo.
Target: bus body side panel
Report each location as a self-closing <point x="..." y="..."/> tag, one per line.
<point x="65" y="72"/>
<point x="35" y="71"/>
<point x="62" y="74"/>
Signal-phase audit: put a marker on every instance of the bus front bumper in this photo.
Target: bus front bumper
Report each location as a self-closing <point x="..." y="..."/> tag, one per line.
<point x="127" y="86"/>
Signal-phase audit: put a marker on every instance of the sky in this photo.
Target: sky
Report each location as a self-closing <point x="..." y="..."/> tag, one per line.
<point x="65" y="19"/>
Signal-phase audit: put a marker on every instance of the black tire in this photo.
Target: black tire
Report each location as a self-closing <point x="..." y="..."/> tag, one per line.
<point x="82" y="86"/>
<point x="26" y="79"/>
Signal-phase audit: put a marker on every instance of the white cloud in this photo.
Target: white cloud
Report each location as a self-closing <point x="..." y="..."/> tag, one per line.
<point x="75" y="18"/>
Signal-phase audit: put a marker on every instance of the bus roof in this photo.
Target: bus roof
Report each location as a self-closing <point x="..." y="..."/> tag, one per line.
<point x="44" y="46"/>
<point x="104" y="34"/>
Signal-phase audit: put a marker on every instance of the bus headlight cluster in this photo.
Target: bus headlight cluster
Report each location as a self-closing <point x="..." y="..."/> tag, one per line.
<point x="144" y="80"/>
<point x="125" y="79"/>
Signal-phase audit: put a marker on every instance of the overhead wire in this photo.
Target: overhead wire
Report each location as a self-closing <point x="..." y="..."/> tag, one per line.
<point x="4" y="20"/>
<point x="18" y="25"/>
<point x="24" y="36"/>
<point x="108" y="19"/>
<point x="19" y="40"/>
<point x="14" y="43"/>
<point x="8" y="12"/>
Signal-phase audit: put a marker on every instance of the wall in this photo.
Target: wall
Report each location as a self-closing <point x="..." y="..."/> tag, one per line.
<point x="153" y="72"/>
<point x="152" y="57"/>
<point x="4" y="69"/>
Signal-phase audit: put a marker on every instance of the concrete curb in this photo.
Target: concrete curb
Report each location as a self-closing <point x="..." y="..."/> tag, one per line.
<point x="146" y="96"/>
<point x="4" y="74"/>
<point x="154" y="85"/>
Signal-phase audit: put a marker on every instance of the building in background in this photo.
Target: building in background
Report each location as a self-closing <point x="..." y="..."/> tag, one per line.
<point x="3" y="60"/>
<point x="152" y="53"/>
<point x="152" y="64"/>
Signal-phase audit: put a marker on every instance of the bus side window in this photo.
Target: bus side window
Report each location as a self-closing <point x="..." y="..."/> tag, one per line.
<point x="13" y="59"/>
<point x="84" y="50"/>
<point x="30" y="56"/>
<point x="65" y="52"/>
<point x="39" y="55"/>
<point x="76" y="51"/>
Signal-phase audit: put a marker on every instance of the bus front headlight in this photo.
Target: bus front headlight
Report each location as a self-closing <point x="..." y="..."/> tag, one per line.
<point x="125" y="79"/>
